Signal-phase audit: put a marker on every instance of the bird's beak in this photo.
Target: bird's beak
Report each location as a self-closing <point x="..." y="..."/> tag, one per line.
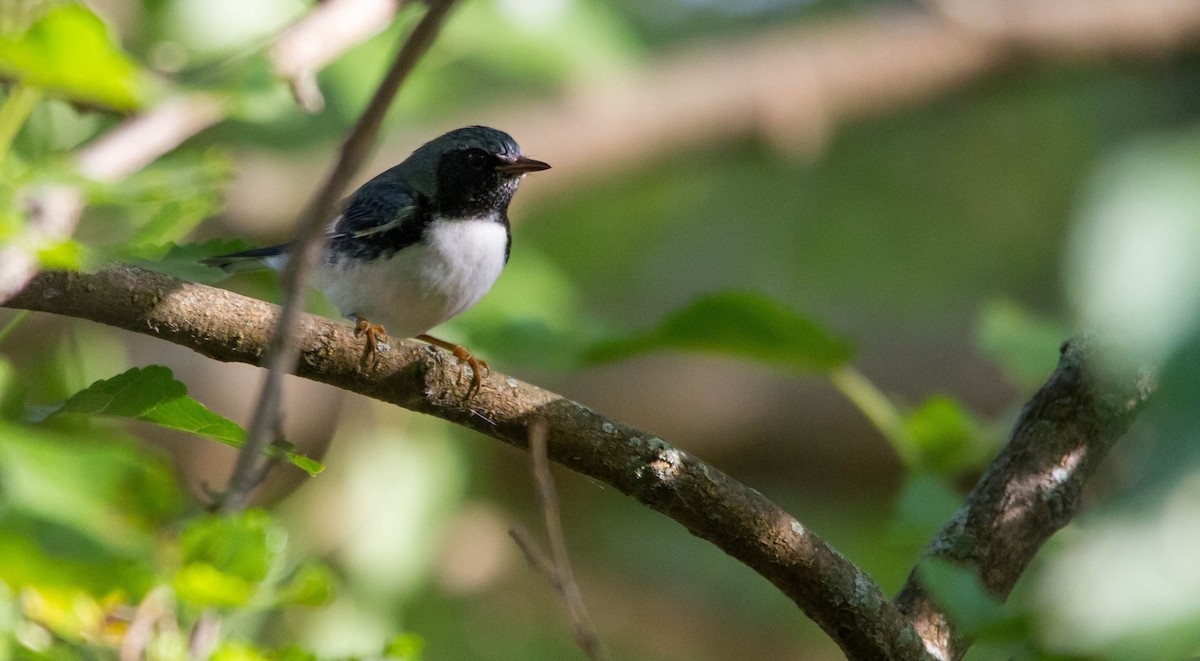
<point x="523" y="165"/>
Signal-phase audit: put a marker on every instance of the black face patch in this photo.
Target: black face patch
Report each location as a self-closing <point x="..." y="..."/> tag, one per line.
<point x="469" y="185"/>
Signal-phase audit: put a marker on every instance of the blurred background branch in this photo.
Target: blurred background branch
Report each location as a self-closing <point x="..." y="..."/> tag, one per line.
<point x="320" y="37"/>
<point x="792" y="85"/>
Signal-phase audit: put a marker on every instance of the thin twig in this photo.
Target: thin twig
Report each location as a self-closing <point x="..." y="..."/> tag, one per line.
<point x="140" y="632"/>
<point x="556" y="567"/>
<point x="205" y="635"/>
<point x="310" y="242"/>
<point x="534" y="555"/>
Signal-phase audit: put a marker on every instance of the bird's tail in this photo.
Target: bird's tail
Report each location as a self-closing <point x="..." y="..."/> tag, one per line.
<point x="250" y="260"/>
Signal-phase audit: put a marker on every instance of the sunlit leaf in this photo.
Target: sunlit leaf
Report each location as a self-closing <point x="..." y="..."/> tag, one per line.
<point x="742" y="324"/>
<point x="405" y="647"/>
<point x="238" y="651"/>
<point x="72" y="614"/>
<point x="69" y="51"/>
<point x="226" y="558"/>
<point x="204" y="585"/>
<point x="310" y="585"/>
<point x="944" y="434"/>
<point x="62" y="255"/>
<point x="153" y="395"/>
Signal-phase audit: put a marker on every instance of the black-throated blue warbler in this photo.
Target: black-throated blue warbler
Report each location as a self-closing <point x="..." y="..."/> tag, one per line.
<point x="419" y="243"/>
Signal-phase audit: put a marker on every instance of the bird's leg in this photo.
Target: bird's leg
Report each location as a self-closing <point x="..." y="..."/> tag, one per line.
<point x="374" y="332"/>
<point x="478" y="367"/>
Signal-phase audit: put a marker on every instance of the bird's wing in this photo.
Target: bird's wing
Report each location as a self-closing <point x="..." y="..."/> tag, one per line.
<point x="249" y="260"/>
<point x="374" y="210"/>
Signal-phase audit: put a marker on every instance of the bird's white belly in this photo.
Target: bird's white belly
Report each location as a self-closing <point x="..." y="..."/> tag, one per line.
<point x="422" y="285"/>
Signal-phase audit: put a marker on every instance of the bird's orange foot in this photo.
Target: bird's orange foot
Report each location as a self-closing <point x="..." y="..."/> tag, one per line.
<point x="376" y="335"/>
<point x="479" y="368"/>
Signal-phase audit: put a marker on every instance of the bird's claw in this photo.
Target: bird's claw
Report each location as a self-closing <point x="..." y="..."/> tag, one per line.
<point x="376" y="339"/>
<point x="479" y="368"/>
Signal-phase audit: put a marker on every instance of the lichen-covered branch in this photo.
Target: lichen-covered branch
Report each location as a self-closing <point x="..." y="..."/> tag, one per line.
<point x="1033" y="488"/>
<point x="226" y="326"/>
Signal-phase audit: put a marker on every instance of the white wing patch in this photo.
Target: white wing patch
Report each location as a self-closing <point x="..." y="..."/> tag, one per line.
<point x="401" y="215"/>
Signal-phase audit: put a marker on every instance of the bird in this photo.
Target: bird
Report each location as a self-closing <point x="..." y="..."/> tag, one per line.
<point x="418" y="244"/>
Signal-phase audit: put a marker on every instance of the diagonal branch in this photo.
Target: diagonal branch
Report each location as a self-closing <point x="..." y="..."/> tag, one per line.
<point x="306" y="250"/>
<point x="1034" y="487"/>
<point x="744" y="523"/>
<point x="1030" y="491"/>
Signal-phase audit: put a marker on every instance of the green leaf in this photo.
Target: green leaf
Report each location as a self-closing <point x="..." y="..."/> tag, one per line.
<point x="293" y="653"/>
<point x="183" y="260"/>
<point x="924" y="505"/>
<point x="309" y="585"/>
<point x="226" y="558"/>
<point x="12" y="395"/>
<point x="742" y="324"/>
<point x="405" y="647"/>
<point x="62" y="255"/>
<point x="944" y="434"/>
<point x="68" y="50"/>
<point x="238" y="651"/>
<point x="1025" y="346"/>
<point x="153" y="395"/>
<point x="140" y="216"/>
<point x="69" y="489"/>
<point x="206" y="586"/>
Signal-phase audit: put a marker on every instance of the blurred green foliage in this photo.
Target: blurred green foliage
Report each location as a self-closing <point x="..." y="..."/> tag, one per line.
<point x="152" y="394"/>
<point x="67" y="51"/>
<point x="929" y="223"/>
<point x="741" y="324"/>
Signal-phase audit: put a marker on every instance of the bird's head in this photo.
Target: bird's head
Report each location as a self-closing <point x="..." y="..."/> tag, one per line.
<point x="471" y="171"/>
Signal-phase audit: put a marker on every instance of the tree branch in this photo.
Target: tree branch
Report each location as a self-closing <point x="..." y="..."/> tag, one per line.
<point x="226" y="326"/>
<point x="1030" y="491"/>
<point x="1034" y="487"/>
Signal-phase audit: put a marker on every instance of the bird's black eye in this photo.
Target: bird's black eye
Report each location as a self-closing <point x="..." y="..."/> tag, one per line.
<point x="477" y="159"/>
